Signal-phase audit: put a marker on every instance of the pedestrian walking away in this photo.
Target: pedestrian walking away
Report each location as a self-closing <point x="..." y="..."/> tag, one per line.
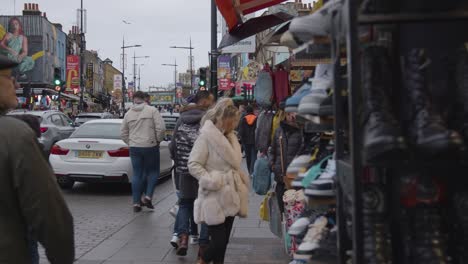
<point x="185" y="134"/>
<point x="32" y="207"/>
<point x="247" y="127"/>
<point x="143" y="129"/>
<point x="215" y="161"/>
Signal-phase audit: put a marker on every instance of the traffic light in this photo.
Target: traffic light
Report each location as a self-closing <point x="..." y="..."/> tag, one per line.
<point x="202" y="82"/>
<point x="58" y="79"/>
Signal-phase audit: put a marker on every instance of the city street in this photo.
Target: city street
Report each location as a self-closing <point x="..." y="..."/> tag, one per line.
<point x="107" y="230"/>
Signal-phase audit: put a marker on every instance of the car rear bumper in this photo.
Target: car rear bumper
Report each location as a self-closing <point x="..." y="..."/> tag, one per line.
<point x="119" y="171"/>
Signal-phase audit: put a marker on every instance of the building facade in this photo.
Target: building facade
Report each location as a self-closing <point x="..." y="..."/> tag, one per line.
<point x="109" y="72"/>
<point x="36" y="43"/>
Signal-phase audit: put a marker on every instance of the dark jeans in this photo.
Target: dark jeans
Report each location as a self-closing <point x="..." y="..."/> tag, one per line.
<point x="184" y="218"/>
<point x="219" y="235"/>
<point x="145" y="162"/>
<point x="33" y="248"/>
<point x="250" y="156"/>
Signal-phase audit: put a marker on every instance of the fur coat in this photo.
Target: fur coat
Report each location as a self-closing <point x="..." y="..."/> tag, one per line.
<point x="223" y="190"/>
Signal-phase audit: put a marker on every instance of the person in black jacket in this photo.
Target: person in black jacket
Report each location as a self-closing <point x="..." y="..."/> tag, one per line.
<point x="247" y="127"/>
<point x="185" y="134"/>
<point x="288" y="140"/>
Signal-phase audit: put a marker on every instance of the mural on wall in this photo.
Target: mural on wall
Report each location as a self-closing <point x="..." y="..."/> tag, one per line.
<point x="14" y="44"/>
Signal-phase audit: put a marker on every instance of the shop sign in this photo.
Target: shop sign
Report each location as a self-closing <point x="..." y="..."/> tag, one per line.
<point x="73" y="73"/>
<point x="90" y="76"/>
<point x="117" y="81"/>
<point x="224" y="72"/>
<point x="244" y="46"/>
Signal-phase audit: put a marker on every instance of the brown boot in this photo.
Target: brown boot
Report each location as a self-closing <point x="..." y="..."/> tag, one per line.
<point x="201" y="252"/>
<point x="183" y="245"/>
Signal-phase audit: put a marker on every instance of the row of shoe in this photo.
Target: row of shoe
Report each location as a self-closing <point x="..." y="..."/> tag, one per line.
<point x="315" y="97"/>
<point x="423" y="129"/>
<point x="316" y="235"/>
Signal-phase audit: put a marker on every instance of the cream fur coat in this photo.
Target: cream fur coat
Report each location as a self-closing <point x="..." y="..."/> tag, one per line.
<point x="215" y="161"/>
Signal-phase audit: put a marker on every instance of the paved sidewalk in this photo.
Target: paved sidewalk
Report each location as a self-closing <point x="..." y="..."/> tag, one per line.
<point x="145" y="240"/>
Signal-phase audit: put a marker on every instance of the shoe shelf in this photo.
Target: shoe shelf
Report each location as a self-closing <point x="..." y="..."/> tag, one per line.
<point x="413" y="17"/>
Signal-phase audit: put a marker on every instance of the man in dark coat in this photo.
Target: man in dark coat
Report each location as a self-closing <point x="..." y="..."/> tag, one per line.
<point x="247" y="127"/>
<point x="185" y="134"/>
<point x="30" y="199"/>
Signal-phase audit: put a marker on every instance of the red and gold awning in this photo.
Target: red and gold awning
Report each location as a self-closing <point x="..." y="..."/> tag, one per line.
<point x="233" y="10"/>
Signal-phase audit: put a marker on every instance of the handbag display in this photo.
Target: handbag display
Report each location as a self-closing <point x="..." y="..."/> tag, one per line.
<point x="264" y="210"/>
<point x="275" y="214"/>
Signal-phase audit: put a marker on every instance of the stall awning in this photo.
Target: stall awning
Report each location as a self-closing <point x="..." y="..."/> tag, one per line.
<point x="252" y="27"/>
<point x="233" y="10"/>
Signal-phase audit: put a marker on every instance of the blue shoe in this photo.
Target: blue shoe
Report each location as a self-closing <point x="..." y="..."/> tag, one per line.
<point x="293" y="102"/>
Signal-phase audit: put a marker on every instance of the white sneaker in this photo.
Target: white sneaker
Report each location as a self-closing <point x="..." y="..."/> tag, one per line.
<point x="174" y="210"/>
<point x="175" y="240"/>
<point x="299" y="226"/>
<point x="193" y="240"/>
<point x="312" y="239"/>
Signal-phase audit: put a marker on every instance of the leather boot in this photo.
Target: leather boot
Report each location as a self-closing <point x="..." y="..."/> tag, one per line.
<point x="201" y="252"/>
<point x="183" y="245"/>
<point x="383" y="139"/>
<point x="426" y="130"/>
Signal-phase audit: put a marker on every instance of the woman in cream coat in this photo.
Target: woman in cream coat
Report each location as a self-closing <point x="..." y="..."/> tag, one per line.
<point x="223" y="192"/>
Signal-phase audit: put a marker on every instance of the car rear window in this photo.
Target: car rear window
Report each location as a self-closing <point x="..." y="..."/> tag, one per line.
<point x="98" y="130"/>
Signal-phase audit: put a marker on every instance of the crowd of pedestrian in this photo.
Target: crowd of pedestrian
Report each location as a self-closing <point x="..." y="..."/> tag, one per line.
<point x="211" y="185"/>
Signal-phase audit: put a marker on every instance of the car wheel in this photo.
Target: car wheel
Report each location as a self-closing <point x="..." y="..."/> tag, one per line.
<point x="65" y="183"/>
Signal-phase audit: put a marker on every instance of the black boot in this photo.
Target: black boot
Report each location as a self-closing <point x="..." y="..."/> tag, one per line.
<point x="460" y="201"/>
<point x="377" y="239"/>
<point x="425" y="128"/>
<point x="382" y="133"/>
<point x="424" y="239"/>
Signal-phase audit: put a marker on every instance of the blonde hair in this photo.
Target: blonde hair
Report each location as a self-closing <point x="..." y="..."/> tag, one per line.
<point x="223" y="109"/>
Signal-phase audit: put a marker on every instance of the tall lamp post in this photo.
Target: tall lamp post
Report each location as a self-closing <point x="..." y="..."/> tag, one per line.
<point x="139" y="75"/>
<point x="175" y="77"/>
<point x="190" y="61"/>
<point x="124" y="90"/>
<point x="134" y="68"/>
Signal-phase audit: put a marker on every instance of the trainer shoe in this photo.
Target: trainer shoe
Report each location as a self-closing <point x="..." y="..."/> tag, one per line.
<point x="293" y="102"/>
<point x="193" y="240"/>
<point x="324" y="185"/>
<point x="175" y="240"/>
<point x="317" y="231"/>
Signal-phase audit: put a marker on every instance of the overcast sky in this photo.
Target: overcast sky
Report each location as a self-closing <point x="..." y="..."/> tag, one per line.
<point x="155" y="24"/>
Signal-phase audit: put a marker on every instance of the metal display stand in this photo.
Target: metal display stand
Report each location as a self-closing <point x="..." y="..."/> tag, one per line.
<point x="348" y="130"/>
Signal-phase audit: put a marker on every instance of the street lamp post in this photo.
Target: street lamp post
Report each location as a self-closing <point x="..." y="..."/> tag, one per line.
<point x="190" y="61"/>
<point x="175" y="77"/>
<point x="123" y="71"/>
<point x="134" y="68"/>
<point x="139" y="75"/>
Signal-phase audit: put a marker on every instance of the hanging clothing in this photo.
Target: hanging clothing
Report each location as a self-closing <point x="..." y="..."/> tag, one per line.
<point x="262" y="133"/>
<point x="263" y="91"/>
<point x="281" y="85"/>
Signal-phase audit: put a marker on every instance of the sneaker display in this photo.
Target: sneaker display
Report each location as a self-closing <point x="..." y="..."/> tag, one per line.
<point x="299" y="226"/>
<point x="175" y="240"/>
<point x="293" y="102"/>
<point x="317" y="231"/>
<point x="318" y="24"/>
<point x="324" y="185"/>
<point x="299" y="163"/>
<point x="382" y="135"/>
<point x="425" y="128"/>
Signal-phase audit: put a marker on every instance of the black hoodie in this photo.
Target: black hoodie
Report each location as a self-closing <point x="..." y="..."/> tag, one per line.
<point x="247" y="127"/>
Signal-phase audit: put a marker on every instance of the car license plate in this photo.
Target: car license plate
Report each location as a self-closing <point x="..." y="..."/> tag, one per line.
<point x="89" y="154"/>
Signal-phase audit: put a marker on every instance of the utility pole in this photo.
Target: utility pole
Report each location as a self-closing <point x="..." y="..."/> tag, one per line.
<point x="191" y="66"/>
<point x="82" y="50"/>
<point x="134" y="70"/>
<point x="214" y="50"/>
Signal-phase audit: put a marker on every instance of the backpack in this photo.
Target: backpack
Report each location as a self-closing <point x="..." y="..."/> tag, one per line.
<point x="263" y="91"/>
<point x="261" y="176"/>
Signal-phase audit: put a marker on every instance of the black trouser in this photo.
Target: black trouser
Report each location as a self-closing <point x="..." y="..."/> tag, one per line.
<point x="280" y="190"/>
<point x="219" y="235"/>
<point x="250" y="156"/>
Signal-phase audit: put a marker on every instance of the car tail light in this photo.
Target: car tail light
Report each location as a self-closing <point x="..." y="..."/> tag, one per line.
<point x="121" y="152"/>
<point x="57" y="150"/>
<point x="44" y="129"/>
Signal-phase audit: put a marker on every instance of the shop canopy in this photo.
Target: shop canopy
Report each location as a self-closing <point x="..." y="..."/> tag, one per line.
<point x="233" y="10"/>
<point x="252" y="27"/>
